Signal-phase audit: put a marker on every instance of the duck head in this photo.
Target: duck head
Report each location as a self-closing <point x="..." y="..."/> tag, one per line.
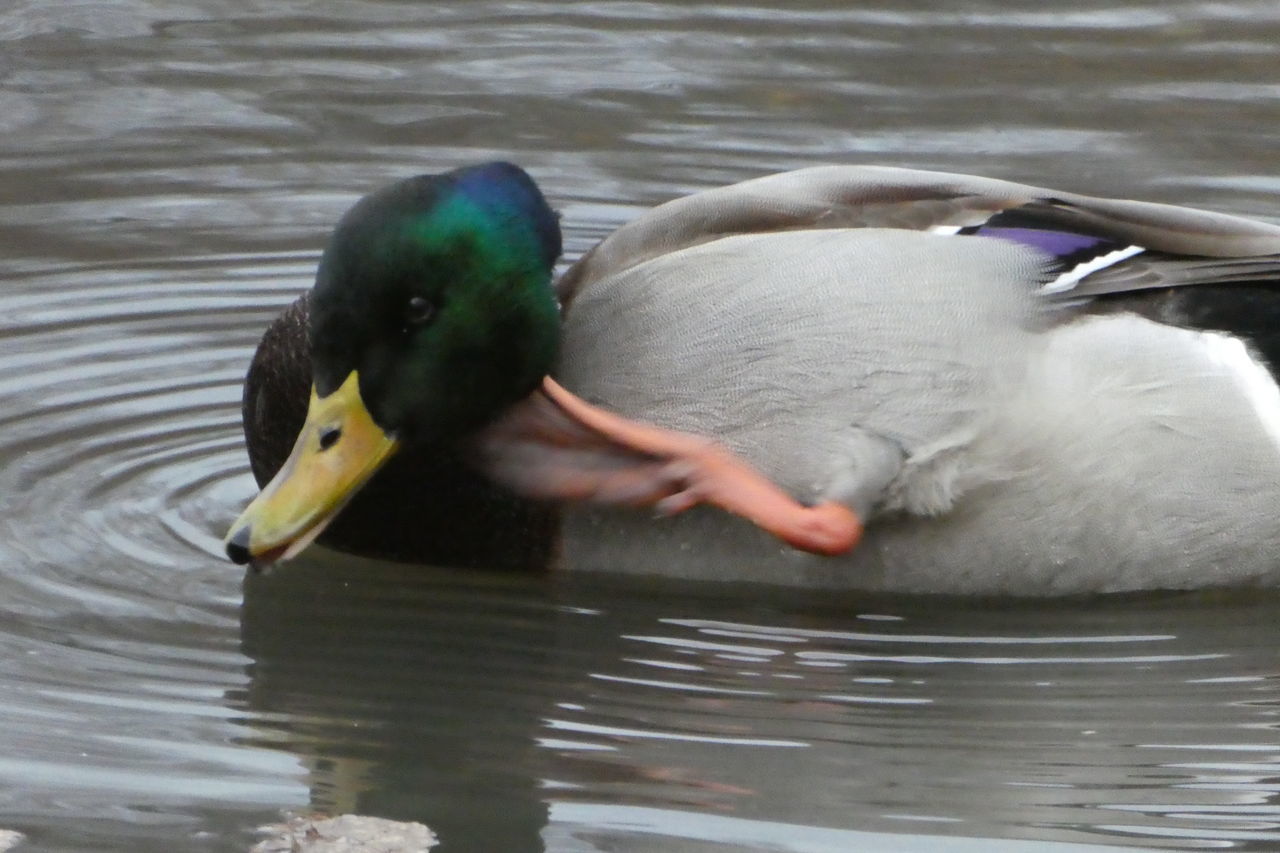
<point x="432" y="311"/>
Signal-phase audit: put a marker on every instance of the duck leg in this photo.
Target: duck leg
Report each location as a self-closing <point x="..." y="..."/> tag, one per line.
<point x="555" y="446"/>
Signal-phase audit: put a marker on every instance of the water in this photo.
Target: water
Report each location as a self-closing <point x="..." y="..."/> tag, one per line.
<point x="169" y="172"/>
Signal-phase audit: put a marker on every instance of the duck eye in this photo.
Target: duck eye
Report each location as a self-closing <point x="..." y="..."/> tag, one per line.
<point x="419" y="311"/>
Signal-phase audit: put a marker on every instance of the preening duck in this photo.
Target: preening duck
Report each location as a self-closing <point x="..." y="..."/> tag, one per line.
<point x="868" y="377"/>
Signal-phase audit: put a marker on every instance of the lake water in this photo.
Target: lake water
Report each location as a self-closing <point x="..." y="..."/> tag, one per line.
<point x="169" y="172"/>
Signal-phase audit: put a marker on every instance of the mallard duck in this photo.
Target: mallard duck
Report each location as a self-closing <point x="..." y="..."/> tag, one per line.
<point x="870" y="377"/>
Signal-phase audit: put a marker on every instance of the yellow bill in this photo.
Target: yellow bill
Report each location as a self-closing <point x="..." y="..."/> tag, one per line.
<point x="337" y="451"/>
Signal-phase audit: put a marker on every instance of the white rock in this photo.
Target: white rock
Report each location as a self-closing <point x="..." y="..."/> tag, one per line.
<point x="344" y="834"/>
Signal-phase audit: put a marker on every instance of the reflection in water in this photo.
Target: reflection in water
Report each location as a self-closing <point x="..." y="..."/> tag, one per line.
<point x="406" y="699"/>
<point x="170" y="170"/>
<point x="509" y="715"/>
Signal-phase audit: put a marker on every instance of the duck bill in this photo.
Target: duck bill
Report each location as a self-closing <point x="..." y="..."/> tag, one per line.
<point x="338" y="450"/>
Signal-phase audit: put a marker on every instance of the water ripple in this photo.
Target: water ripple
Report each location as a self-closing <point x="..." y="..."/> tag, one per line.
<point x="170" y="172"/>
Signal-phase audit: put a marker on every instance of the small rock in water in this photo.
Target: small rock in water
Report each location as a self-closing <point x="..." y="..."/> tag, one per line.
<point x="346" y="833"/>
<point x="9" y="839"/>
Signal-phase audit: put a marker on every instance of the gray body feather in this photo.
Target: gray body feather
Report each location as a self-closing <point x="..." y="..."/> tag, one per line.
<point x="998" y="439"/>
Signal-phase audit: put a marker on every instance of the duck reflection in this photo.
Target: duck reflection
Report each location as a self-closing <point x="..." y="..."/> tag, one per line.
<point x="402" y="699"/>
<point x="496" y="707"/>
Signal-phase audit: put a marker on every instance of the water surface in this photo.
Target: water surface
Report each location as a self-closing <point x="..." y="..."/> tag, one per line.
<point x="169" y="171"/>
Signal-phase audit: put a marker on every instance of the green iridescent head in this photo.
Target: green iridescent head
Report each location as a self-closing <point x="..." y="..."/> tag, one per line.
<point x="432" y="313"/>
<point x="436" y="291"/>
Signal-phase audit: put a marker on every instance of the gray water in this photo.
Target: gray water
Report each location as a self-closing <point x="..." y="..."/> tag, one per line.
<point x="168" y="171"/>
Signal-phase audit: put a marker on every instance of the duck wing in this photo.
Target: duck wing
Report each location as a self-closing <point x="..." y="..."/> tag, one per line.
<point x="1099" y="246"/>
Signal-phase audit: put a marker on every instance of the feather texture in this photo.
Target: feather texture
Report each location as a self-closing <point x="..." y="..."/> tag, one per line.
<point x="980" y="364"/>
